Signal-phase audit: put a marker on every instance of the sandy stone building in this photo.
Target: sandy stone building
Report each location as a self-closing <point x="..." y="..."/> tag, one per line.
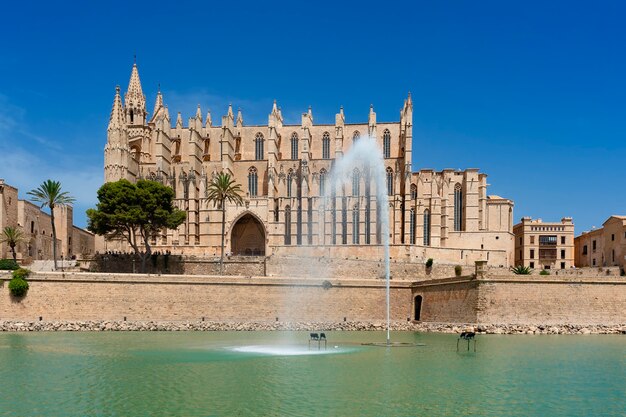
<point x="284" y="170"/>
<point x="35" y="224"/>
<point x="603" y="247"/>
<point x="544" y="245"/>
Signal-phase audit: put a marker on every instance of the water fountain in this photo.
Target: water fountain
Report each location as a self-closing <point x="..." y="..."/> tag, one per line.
<point x="365" y="156"/>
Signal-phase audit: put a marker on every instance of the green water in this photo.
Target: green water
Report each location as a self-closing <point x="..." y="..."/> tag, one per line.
<point x="200" y="374"/>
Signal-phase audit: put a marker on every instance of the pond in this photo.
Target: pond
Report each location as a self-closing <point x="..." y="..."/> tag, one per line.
<point x="277" y="374"/>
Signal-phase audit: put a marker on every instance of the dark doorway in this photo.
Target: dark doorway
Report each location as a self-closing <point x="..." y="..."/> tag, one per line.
<point x="418" y="307"/>
<point x="248" y="237"/>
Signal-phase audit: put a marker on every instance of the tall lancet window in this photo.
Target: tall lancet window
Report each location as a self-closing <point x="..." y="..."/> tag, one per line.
<point x="355" y="225"/>
<point x="289" y="182"/>
<point x="389" y="181"/>
<point x="259" y="143"/>
<point x="294" y="146"/>
<point x="412" y="226"/>
<point x="356" y="136"/>
<point x="413" y="192"/>
<point x="426" y="227"/>
<point x="253" y="182"/>
<point x="326" y="146"/>
<point x="322" y="182"/>
<point x="287" y="225"/>
<point x="356" y="183"/>
<point x="387" y="143"/>
<point x="458" y="208"/>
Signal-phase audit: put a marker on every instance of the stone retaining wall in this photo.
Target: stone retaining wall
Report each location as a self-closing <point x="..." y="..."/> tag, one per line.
<point x="90" y="296"/>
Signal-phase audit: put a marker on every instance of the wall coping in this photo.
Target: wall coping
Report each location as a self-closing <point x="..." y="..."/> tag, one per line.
<point x="95" y="277"/>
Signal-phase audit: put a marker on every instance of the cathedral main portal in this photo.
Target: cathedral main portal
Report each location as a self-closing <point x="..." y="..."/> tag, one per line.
<point x="248" y="237"/>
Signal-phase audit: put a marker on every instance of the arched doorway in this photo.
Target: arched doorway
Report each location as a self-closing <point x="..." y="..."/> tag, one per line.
<point x="248" y="237"/>
<point x="418" y="307"/>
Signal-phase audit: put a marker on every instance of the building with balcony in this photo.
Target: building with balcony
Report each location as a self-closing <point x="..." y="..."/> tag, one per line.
<point x="544" y="245"/>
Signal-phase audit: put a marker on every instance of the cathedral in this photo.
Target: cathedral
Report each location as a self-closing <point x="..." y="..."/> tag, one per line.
<point x="283" y="169"/>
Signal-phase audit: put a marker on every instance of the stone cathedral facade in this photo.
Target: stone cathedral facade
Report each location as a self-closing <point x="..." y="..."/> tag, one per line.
<point x="283" y="170"/>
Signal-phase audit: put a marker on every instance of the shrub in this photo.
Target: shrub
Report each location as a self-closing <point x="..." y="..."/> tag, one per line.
<point x="18" y="287"/>
<point x="544" y="272"/>
<point x="458" y="270"/>
<point x="327" y="285"/>
<point x="521" y="270"/>
<point x="8" y="264"/>
<point x="21" y="273"/>
<point x="429" y="263"/>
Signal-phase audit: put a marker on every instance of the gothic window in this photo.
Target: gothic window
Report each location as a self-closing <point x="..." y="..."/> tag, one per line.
<point x="326" y="146"/>
<point x="294" y="145"/>
<point x="356" y="136"/>
<point x="344" y="221"/>
<point x="355" y="225"/>
<point x="356" y="182"/>
<point x="287" y="225"/>
<point x="426" y="227"/>
<point x="252" y="182"/>
<point x="131" y="117"/>
<point x="309" y="219"/>
<point x="387" y="143"/>
<point x="413" y="192"/>
<point x="289" y="181"/>
<point x="458" y="208"/>
<point x="322" y="182"/>
<point x="412" y="226"/>
<point x="389" y="181"/>
<point x="258" y="146"/>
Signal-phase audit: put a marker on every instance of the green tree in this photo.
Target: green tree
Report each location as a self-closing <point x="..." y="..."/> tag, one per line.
<point x="12" y="236"/>
<point x="134" y="212"/>
<point x="223" y="189"/>
<point x="49" y="194"/>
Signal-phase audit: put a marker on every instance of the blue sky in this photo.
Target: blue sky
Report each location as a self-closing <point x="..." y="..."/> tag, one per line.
<point x="533" y="94"/>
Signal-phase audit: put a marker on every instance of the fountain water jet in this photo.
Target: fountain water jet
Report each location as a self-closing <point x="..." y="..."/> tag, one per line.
<point x="365" y="156"/>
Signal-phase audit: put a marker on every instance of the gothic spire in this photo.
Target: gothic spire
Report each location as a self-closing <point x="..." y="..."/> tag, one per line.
<point x="117" y="119"/>
<point x="134" y="95"/>
<point x="159" y="101"/>
<point x="208" y="121"/>
<point x="239" y="117"/>
<point x="179" y="120"/>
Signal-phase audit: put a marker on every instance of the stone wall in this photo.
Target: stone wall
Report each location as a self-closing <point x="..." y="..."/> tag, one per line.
<point x="85" y="296"/>
<point x="529" y="300"/>
<point x="581" y="301"/>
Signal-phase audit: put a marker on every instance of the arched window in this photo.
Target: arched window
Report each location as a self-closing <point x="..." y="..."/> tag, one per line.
<point x="131" y="117"/>
<point x="258" y="146"/>
<point x="252" y="182"/>
<point x="413" y="192"/>
<point x="355" y="225"/>
<point x="294" y="145"/>
<point x="356" y="136"/>
<point x="289" y="181"/>
<point x="322" y="182"/>
<point x="412" y="226"/>
<point x="387" y="143"/>
<point x="426" y="227"/>
<point x="356" y="182"/>
<point x="458" y="208"/>
<point x="287" y="225"/>
<point x="326" y="146"/>
<point x="389" y="181"/>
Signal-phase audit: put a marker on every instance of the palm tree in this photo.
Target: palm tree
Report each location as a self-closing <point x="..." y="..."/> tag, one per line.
<point x="12" y="236"/>
<point x="49" y="194"/>
<point x="220" y="190"/>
